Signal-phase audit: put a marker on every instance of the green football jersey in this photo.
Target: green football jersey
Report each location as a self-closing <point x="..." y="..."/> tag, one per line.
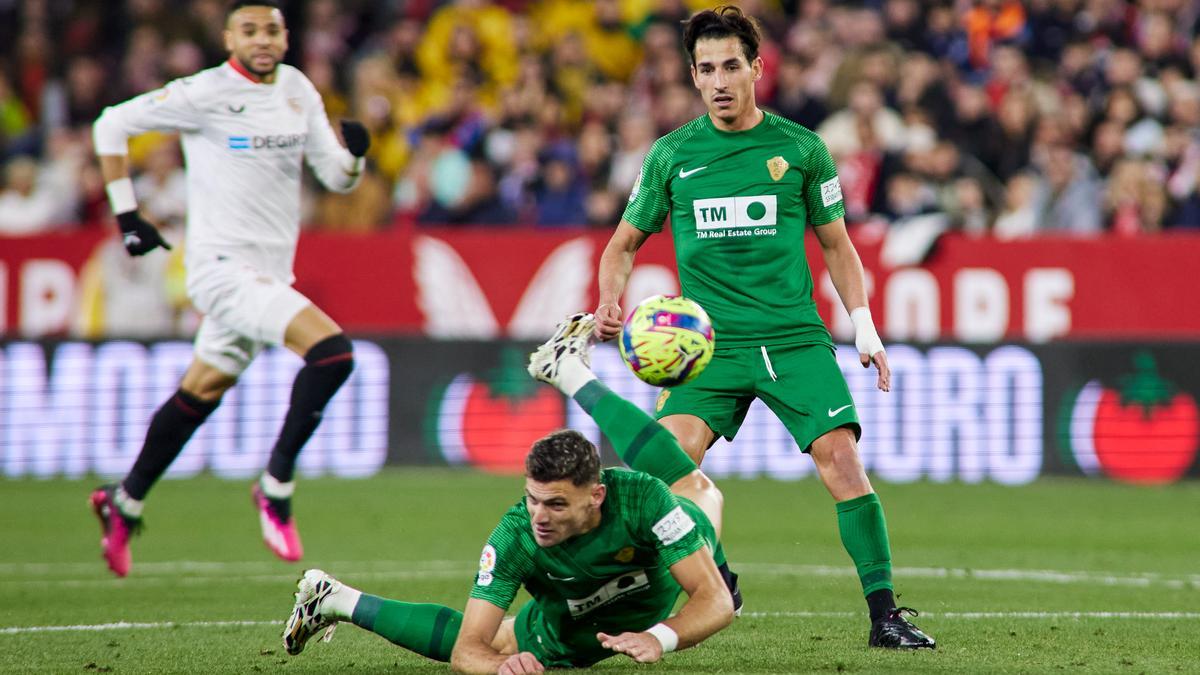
<point x="739" y="203"/>
<point x="613" y="579"/>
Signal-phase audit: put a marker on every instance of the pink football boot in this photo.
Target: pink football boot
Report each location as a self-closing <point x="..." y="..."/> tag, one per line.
<point x="279" y="534"/>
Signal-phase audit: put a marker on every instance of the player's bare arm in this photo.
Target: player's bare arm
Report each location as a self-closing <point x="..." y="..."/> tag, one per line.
<point x="615" y="265"/>
<point x="139" y="235"/>
<point x="708" y="609"/>
<point x="478" y="649"/>
<point x="846" y="272"/>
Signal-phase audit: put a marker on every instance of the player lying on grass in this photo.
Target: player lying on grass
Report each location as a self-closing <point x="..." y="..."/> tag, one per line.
<point x="604" y="553"/>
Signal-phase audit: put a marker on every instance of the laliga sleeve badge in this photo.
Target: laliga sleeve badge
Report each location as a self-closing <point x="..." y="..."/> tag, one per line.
<point x="487" y="563"/>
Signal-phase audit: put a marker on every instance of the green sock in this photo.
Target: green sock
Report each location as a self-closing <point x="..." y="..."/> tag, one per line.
<point x="429" y="630"/>
<point x="864" y="534"/>
<point x="641" y="442"/>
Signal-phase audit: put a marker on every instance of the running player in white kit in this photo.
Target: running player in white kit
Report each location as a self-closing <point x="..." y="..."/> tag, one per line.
<point x="247" y="126"/>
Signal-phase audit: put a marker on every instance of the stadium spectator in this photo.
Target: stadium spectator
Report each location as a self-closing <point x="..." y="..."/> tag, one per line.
<point x="1024" y="199"/>
<point x="557" y="65"/>
<point x="41" y="198"/>
<point x="562" y="193"/>
<point x="1073" y="193"/>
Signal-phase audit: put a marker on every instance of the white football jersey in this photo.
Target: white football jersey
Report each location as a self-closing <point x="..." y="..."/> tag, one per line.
<point x="244" y="143"/>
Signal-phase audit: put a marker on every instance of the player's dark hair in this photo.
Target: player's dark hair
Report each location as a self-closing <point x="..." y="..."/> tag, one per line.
<point x="238" y="4"/>
<point x="722" y="22"/>
<point x="563" y="455"/>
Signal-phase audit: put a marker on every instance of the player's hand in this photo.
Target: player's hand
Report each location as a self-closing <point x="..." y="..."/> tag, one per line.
<point x="356" y="137"/>
<point x="521" y="663"/>
<point x="641" y="647"/>
<point x="139" y="236"/>
<point x="870" y="347"/>
<point x="884" y="381"/>
<point x="608" y="321"/>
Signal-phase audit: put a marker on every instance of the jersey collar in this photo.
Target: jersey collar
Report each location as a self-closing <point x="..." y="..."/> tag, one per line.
<point x="241" y="70"/>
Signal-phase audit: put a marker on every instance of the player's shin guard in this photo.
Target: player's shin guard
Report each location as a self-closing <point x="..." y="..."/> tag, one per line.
<point x="429" y="630"/>
<point x="641" y="442"/>
<point x="864" y="534"/>
<point x="170" y="428"/>
<point x="327" y="365"/>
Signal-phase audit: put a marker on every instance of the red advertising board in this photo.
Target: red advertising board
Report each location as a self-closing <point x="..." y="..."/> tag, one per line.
<point x="486" y="283"/>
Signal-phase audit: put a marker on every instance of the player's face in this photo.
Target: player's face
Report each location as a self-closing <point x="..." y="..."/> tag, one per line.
<point x="726" y="80"/>
<point x="257" y="38"/>
<point x="559" y="510"/>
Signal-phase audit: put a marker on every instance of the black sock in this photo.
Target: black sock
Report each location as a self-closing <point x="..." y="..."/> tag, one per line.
<point x="327" y="365"/>
<point x="880" y="602"/>
<point x="731" y="583"/>
<point x="169" y="431"/>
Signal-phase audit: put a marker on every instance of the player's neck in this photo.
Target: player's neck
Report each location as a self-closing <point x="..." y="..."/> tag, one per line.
<point x="592" y="523"/>
<point x="245" y="72"/>
<point x="740" y="123"/>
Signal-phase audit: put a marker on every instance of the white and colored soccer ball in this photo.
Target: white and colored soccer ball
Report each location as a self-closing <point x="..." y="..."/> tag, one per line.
<point x="667" y="340"/>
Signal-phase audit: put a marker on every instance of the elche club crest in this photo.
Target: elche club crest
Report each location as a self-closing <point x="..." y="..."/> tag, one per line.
<point x="777" y="166"/>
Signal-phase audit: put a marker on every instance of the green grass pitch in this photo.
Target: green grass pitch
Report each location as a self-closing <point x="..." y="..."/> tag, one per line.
<point x="1062" y="575"/>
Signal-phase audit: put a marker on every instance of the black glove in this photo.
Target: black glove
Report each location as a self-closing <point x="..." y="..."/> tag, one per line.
<point x="140" y="237"/>
<point x="356" y="137"/>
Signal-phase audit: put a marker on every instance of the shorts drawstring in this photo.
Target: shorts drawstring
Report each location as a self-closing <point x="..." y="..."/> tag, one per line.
<point x="770" y="369"/>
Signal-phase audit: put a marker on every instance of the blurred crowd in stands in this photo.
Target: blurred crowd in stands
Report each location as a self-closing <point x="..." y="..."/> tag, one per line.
<point x="986" y="116"/>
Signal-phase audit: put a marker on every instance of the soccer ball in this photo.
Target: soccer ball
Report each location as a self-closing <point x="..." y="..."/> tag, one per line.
<point x="667" y="340"/>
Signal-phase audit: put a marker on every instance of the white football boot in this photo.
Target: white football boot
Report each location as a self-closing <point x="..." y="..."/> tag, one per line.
<point x="572" y="337"/>
<point x="307" y="618"/>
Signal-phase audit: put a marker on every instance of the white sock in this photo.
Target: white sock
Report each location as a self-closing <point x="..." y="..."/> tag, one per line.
<point x="340" y="603"/>
<point x="127" y="505"/>
<point x="572" y="375"/>
<point x="275" y="489"/>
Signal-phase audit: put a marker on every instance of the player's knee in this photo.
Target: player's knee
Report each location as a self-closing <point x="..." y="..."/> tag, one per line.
<point x="835" y="447"/>
<point x="698" y="484"/>
<point x="333" y="355"/>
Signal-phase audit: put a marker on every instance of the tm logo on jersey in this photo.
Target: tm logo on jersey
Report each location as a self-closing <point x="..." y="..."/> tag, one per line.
<point x="734" y="216"/>
<point x="613" y="590"/>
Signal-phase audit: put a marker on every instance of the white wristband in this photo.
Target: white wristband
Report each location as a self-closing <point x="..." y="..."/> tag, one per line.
<point x="120" y="195"/>
<point x="866" y="339"/>
<point x="665" y="635"/>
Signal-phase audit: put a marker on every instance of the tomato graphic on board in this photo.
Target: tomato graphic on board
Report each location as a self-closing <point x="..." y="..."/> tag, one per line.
<point x="491" y="423"/>
<point x="1143" y="431"/>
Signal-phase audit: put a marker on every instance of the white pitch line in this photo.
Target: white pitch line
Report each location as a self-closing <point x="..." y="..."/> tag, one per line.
<point x="186" y="572"/>
<point x="987" y="615"/>
<point x="131" y="625"/>
<point x="171" y="567"/>
<point x="151" y="625"/>
<point x="464" y="573"/>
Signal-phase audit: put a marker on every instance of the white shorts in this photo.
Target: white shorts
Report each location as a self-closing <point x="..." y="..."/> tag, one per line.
<point x="244" y="310"/>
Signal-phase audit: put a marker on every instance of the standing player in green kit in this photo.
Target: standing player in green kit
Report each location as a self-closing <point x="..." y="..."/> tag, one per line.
<point x="741" y="185"/>
<point x="604" y="553"/>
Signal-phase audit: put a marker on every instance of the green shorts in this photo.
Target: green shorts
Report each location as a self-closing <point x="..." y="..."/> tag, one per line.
<point x="578" y="647"/>
<point x="801" y="384"/>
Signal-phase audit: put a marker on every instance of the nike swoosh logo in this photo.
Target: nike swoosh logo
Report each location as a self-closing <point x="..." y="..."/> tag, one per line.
<point x="833" y="413"/>
<point x="554" y="578"/>
<point x="237" y="110"/>
<point x="685" y="174"/>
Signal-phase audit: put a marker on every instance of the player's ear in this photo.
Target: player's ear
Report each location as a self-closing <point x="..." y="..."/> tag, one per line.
<point x="599" y="492"/>
<point x="757" y="68"/>
<point x="228" y="34"/>
<point x="695" y="82"/>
